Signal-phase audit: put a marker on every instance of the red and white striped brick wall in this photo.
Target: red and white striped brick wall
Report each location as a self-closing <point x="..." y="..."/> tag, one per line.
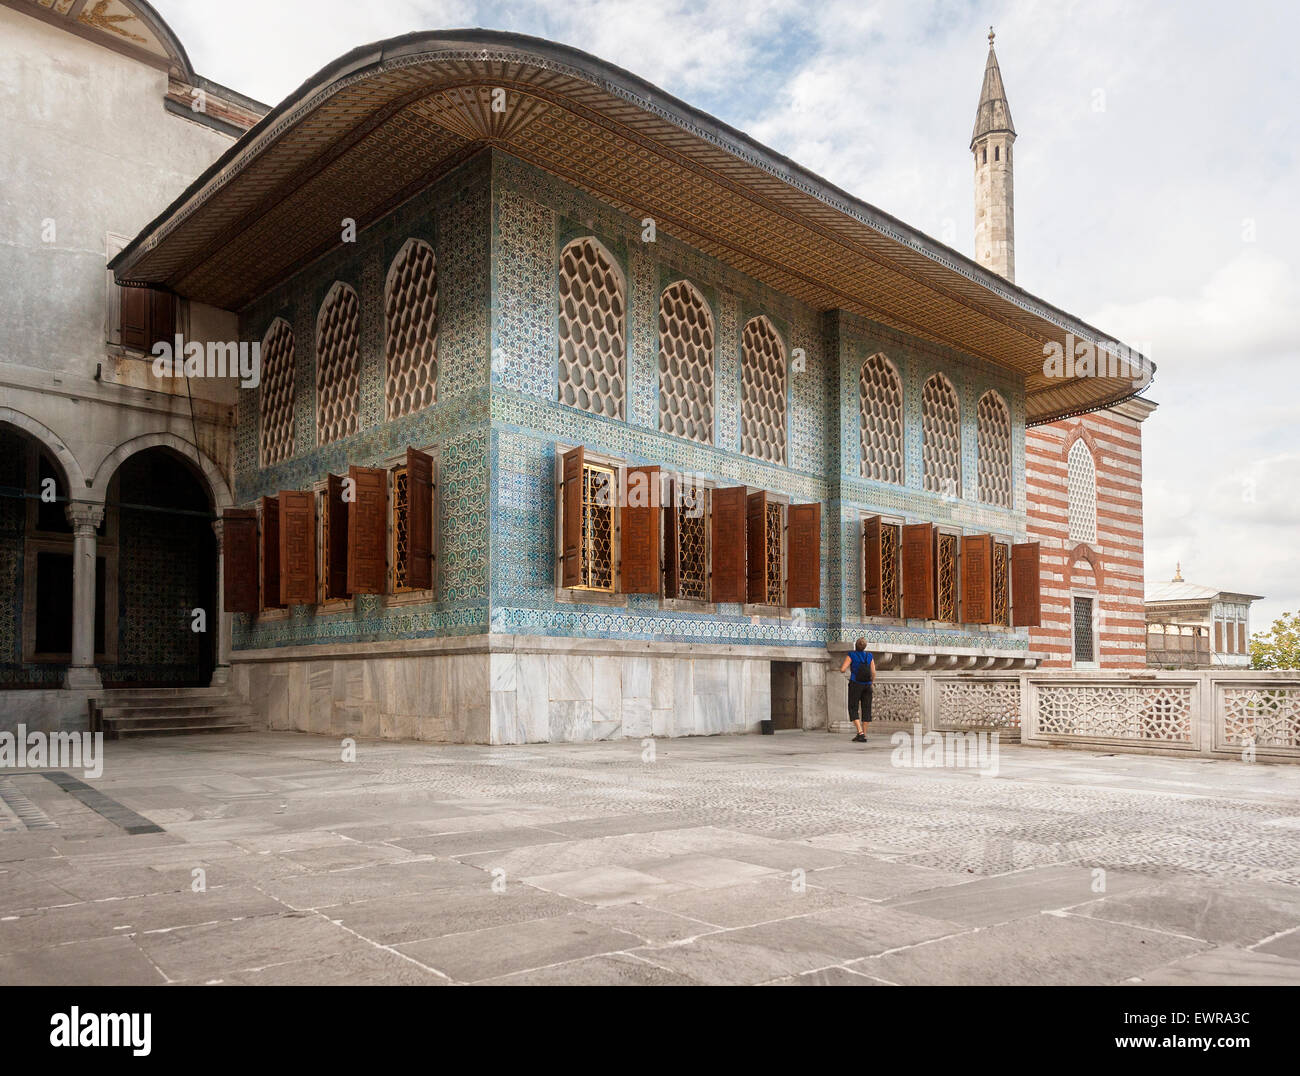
<point x="1112" y="568"/>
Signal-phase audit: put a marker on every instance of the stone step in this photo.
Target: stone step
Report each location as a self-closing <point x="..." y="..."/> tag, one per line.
<point x="118" y="720"/>
<point x="174" y="730"/>
<point x="187" y="706"/>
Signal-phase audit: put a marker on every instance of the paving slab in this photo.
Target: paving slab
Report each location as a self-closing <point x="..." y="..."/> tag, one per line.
<point x="616" y="969"/>
<point x="758" y="901"/>
<point x="394" y="920"/>
<point x="1220" y="912"/>
<point x="1225" y="966"/>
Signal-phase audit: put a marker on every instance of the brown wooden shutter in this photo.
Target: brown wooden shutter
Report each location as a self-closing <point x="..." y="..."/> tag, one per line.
<point x="368" y="531"/>
<point x="872" y="579"/>
<point x="1242" y="646"/>
<point x="756" y="546"/>
<point x="640" y="533"/>
<point x="135" y="318"/>
<point x="1025" y="577"/>
<point x="728" y="541"/>
<point x="977" y="578"/>
<point x="336" y="552"/>
<point x="419" y="520"/>
<point x="239" y="557"/>
<point x="803" y="585"/>
<point x="271" y="554"/>
<point x="672" y="552"/>
<point x="918" y="571"/>
<point x="297" y="547"/>
<point x="571" y="509"/>
<point x="162" y="317"/>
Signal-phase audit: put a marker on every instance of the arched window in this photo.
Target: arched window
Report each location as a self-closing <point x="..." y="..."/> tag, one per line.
<point x="941" y="437"/>
<point x="881" y="404"/>
<point x="338" y="364"/>
<point x="411" y="314"/>
<point x="762" y="392"/>
<point x="685" y="363"/>
<point x="592" y="333"/>
<point x="994" y="450"/>
<point x="1082" y="486"/>
<point x="275" y="403"/>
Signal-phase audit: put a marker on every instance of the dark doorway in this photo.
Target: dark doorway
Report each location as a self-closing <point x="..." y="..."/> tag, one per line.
<point x="785" y="695"/>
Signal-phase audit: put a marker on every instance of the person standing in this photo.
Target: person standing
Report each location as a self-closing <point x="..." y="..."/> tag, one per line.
<point x="861" y="667"/>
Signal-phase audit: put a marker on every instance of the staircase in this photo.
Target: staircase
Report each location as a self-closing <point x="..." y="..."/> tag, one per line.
<point x="164" y="711"/>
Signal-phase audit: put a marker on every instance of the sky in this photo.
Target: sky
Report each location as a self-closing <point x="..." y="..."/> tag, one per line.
<point x="1157" y="175"/>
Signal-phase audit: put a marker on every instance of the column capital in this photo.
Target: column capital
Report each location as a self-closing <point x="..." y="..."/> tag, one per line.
<point x="84" y="516"/>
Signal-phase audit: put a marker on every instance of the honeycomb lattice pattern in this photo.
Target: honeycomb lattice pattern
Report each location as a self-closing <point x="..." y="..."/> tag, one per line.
<point x="685" y="363"/>
<point x="338" y="365"/>
<point x="946" y="575"/>
<point x="1147" y="713"/>
<point x="775" y="521"/>
<point x="890" y="602"/>
<point x="411" y="306"/>
<point x="1263" y="716"/>
<point x="401" y="530"/>
<point x="1082" y="485"/>
<point x="597" y="569"/>
<point x="762" y="392"/>
<point x="592" y="330"/>
<point x="276" y="403"/>
<point x="692" y="551"/>
<point x="1001" y="590"/>
<point x="994" y="450"/>
<point x="881" y="402"/>
<point x="941" y="437"/>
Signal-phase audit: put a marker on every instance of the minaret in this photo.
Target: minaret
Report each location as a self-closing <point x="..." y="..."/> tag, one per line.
<point x="995" y="233"/>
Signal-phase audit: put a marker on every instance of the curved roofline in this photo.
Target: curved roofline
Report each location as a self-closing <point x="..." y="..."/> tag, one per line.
<point x="165" y="33"/>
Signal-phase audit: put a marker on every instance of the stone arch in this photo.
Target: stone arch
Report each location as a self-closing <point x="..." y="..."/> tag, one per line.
<point x="72" y="472"/>
<point x="1084" y="552"/>
<point x="217" y="485"/>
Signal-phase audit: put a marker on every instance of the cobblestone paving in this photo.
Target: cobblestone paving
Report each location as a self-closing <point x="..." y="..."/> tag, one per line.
<point x="800" y="859"/>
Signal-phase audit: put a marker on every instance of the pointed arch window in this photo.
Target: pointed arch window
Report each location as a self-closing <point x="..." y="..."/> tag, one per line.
<point x="880" y="401"/>
<point x="762" y="392"/>
<point x="1081" y="483"/>
<point x="592" y="329"/>
<point x="275" y="403"/>
<point x="411" y="320"/>
<point x="338" y="364"/>
<point x="994" y="421"/>
<point x="686" y="363"/>
<point x="941" y="437"/>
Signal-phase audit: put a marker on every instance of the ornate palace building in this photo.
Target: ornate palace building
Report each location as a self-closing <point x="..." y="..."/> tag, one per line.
<point x="579" y="415"/>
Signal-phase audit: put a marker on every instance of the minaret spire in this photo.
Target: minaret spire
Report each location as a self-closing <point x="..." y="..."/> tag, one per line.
<point x="991" y="142"/>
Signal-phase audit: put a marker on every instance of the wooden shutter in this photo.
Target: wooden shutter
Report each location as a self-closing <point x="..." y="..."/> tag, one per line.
<point x="672" y="551"/>
<point x="336" y="551"/>
<point x="977" y="578"/>
<point x="271" y="554"/>
<point x="297" y="547"/>
<point x="872" y="579"/>
<point x="918" y="571"/>
<point x="419" y="520"/>
<point x="239" y="557"/>
<point x="756" y="546"/>
<point x="728" y="542"/>
<point x="640" y="534"/>
<point x="1025" y="609"/>
<point x="136" y="309"/>
<point x="803" y="585"/>
<point x="368" y="531"/>
<point x="571" y="509"/>
<point x="162" y="317"/>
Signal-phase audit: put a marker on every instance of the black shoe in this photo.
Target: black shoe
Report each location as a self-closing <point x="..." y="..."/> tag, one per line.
<point x="859" y="738"/>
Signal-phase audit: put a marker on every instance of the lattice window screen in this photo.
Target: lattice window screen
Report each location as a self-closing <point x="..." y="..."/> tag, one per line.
<point x="881" y="402"/>
<point x="276" y="402"/>
<point x="941" y="436"/>
<point x="774" y="575"/>
<point x="592" y="330"/>
<point x="685" y="363"/>
<point x="692" y="548"/>
<point x="338" y="364"/>
<point x="994" y="450"/>
<point x="1085" y="643"/>
<point x="762" y="392"/>
<point x="411" y="306"/>
<point x="1082" y="485"/>
<point x="597" y="528"/>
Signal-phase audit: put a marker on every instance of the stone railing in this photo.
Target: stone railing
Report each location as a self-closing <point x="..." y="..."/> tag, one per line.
<point x="1216" y="713"/>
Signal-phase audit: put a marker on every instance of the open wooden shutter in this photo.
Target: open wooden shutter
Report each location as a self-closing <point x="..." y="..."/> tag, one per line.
<point x="803" y="585"/>
<point x="336" y="546"/>
<point x="419" y="520"/>
<point x="1026" y="610"/>
<point x="297" y="547"/>
<point x="162" y="318"/>
<point x="918" y="571"/>
<point x="571" y="509"/>
<point x="728" y="541"/>
<point x="239" y="557"/>
<point x="640" y="535"/>
<point x="977" y="578"/>
<point x="271" y="554"/>
<point x="672" y="572"/>
<point x="368" y="531"/>
<point x="134" y="320"/>
<point x="872" y="580"/>
<point x="756" y="547"/>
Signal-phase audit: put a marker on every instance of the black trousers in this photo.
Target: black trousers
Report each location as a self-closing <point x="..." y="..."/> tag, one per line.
<point x="859" y="700"/>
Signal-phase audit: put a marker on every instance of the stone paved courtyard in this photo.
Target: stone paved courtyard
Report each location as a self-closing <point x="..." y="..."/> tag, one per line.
<point x="799" y="858"/>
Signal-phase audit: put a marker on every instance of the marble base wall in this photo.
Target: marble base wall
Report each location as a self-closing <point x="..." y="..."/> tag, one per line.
<point x="55" y="710"/>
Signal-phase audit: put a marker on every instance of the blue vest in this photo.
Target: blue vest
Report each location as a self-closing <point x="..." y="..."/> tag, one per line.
<point x="860" y="666"/>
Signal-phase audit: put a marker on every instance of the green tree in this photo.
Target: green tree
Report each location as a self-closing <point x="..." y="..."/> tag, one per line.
<point x="1279" y="647"/>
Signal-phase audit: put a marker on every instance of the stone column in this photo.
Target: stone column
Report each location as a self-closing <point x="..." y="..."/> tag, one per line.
<point x="221" y="673"/>
<point x="85" y="518"/>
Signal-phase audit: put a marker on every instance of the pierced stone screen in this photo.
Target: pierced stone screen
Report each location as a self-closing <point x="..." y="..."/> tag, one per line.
<point x="685" y="364"/>
<point x="881" y="402"/>
<point x="592" y="344"/>
<point x="762" y="392"/>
